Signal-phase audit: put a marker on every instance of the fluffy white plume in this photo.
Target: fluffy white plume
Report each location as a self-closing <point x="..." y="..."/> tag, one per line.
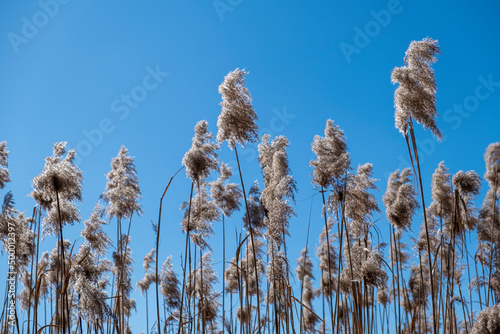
<point x="237" y="119"/>
<point x="4" y="172"/>
<point x="416" y="95"/>
<point x="332" y="159"/>
<point x="201" y="158"/>
<point x="492" y="160"/>
<point x="122" y="189"/>
<point x="399" y="199"/>
<point x="59" y="183"/>
<point x="227" y="196"/>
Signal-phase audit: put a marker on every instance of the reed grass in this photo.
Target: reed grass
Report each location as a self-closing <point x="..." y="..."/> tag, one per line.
<point x="362" y="289"/>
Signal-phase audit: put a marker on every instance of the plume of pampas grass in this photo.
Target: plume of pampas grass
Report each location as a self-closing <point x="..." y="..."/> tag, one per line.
<point x="256" y="212"/>
<point x="24" y="237"/>
<point x="122" y="269"/>
<point x="93" y="234"/>
<point x="277" y="194"/>
<point x="360" y="203"/>
<point x="122" y="193"/>
<point x="399" y="199"/>
<point x="468" y="185"/>
<point x="87" y="280"/>
<point x="327" y="260"/>
<point x="304" y="272"/>
<point x="415" y="96"/>
<point x="226" y="196"/>
<point x="199" y="218"/>
<point x="57" y="187"/>
<point x="492" y="160"/>
<point x="169" y="285"/>
<point x="442" y="194"/>
<point x="200" y="284"/>
<point x="252" y="260"/>
<point x="332" y="159"/>
<point x="237" y="118"/>
<point x="277" y="198"/>
<point x="232" y="277"/>
<point x="201" y="158"/>
<point x="488" y="321"/>
<point x="4" y="172"/>
<point x="489" y="219"/>
<point x="149" y="277"/>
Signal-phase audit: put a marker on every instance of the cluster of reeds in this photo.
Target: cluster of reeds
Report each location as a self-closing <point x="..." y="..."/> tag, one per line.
<point x="363" y="287"/>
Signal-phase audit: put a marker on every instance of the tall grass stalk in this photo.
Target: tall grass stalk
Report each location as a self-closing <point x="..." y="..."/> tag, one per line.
<point x="157" y="248"/>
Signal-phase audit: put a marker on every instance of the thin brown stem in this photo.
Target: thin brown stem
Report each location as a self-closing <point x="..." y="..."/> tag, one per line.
<point x="157" y="247"/>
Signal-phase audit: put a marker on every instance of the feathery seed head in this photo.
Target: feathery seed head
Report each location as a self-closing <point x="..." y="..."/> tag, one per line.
<point x="399" y="199"/>
<point x="332" y="159"/>
<point x="199" y="218"/>
<point x="201" y="158"/>
<point x="488" y="321"/>
<point x="383" y="296"/>
<point x="256" y="210"/>
<point x="60" y="181"/>
<point x="442" y="193"/>
<point x="237" y="118"/>
<point x="279" y="187"/>
<point x="468" y="183"/>
<point x="122" y="192"/>
<point x="360" y="204"/>
<point x="488" y="228"/>
<point x="169" y="285"/>
<point x="305" y="266"/>
<point x="227" y="196"/>
<point x="98" y="240"/>
<point x="4" y="172"/>
<point x="492" y="160"/>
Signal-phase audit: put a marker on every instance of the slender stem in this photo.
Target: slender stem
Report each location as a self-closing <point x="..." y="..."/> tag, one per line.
<point x="415" y="151"/>
<point x="327" y="231"/>
<point x="181" y="324"/>
<point x="251" y="238"/>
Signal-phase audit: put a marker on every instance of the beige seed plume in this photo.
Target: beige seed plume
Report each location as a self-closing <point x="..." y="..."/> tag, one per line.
<point x="399" y="199"/>
<point x="305" y="277"/>
<point x="442" y="193"/>
<point x="227" y="196"/>
<point x="199" y="219"/>
<point x="327" y="253"/>
<point x="169" y="285"/>
<point x="4" y="172"/>
<point x="98" y="240"/>
<point x="149" y="276"/>
<point x="237" y="119"/>
<point x="492" y="160"/>
<point x="332" y="158"/>
<point x="488" y="321"/>
<point x="415" y="96"/>
<point x="60" y="179"/>
<point x="468" y="185"/>
<point x="122" y="192"/>
<point x="201" y="158"/>
<point x="278" y="193"/>
<point x="360" y="203"/>
<point x="488" y="228"/>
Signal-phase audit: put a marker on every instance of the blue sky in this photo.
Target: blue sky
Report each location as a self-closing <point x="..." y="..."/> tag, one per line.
<point x="67" y="68"/>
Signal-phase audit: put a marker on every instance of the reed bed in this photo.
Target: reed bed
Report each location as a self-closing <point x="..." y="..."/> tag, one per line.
<point x="432" y="282"/>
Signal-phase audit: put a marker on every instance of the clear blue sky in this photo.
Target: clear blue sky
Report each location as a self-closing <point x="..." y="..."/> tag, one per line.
<point x="66" y="70"/>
